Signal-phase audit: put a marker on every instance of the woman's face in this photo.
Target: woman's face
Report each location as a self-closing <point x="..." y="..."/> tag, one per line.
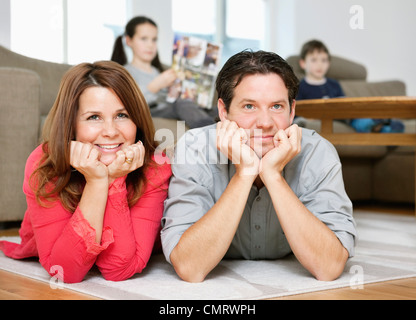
<point x="103" y="121"/>
<point x="144" y="42"/>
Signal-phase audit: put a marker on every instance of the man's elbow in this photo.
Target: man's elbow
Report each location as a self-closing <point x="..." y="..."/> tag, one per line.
<point x="186" y="271"/>
<point x="328" y="275"/>
<point x="188" y="275"/>
<point x="331" y="271"/>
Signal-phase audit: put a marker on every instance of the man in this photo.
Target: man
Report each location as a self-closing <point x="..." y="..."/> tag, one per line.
<point x="280" y="191"/>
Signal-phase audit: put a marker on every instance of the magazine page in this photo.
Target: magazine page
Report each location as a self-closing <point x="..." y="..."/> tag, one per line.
<point x="196" y="62"/>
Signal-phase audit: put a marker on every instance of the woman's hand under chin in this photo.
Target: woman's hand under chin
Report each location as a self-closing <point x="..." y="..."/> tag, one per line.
<point x="86" y="159"/>
<point x="126" y="160"/>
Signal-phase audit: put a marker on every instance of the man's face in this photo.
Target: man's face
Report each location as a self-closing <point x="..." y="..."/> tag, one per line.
<point x="261" y="106"/>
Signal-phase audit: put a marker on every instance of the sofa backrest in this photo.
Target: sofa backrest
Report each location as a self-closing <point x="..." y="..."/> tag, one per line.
<point x="50" y="74"/>
<point x="353" y="78"/>
<point x="340" y="69"/>
<point x="353" y="88"/>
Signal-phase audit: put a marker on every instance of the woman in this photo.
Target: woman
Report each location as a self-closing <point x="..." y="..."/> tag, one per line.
<point x="141" y="36"/>
<point x="94" y="190"/>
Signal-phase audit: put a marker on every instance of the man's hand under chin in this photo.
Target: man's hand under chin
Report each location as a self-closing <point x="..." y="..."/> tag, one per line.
<point x="232" y="141"/>
<point x="287" y="144"/>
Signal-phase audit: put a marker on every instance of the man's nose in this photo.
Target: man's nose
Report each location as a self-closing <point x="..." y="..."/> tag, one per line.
<point x="264" y="119"/>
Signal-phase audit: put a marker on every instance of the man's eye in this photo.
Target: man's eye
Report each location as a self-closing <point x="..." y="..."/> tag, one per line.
<point x="277" y="106"/>
<point x="249" y="106"/>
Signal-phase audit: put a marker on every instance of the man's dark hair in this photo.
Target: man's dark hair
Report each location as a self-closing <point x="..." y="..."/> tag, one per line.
<point x="247" y="63"/>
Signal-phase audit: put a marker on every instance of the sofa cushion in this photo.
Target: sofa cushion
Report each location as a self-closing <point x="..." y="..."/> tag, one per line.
<point x="19" y="126"/>
<point x="394" y="177"/>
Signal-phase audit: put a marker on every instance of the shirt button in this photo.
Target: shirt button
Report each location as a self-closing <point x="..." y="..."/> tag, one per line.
<point x="257" y="227"/>
<point x="258" y="198"/>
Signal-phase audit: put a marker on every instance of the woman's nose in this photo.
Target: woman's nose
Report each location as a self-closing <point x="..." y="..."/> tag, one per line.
<point x="109" y="129"/>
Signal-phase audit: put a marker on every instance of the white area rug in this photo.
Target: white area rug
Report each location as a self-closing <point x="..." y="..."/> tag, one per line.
<point x="386" y="250"/>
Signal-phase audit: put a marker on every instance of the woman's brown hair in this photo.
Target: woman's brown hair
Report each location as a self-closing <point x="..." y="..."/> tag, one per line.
<point x="59" y="131"/>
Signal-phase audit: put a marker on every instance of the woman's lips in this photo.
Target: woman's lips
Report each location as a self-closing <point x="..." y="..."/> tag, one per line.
<point x="109" y="147"/>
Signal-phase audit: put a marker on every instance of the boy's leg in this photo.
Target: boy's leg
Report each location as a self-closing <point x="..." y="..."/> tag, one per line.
<point x="362" y="125"/>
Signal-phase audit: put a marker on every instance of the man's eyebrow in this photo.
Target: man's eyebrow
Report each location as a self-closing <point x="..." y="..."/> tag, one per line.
<point x="247" y="100"/>
<point x="279" y="101"/>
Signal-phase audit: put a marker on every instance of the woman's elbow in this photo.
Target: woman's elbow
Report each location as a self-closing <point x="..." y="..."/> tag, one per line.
<point x="120" y="273"/>
<point x="116" y="276"/>
<point x="59" y="278"/>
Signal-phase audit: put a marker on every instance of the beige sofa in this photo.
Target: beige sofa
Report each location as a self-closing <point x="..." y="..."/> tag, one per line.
<point x="28" y="89"/>
<point x="375" y="173"/>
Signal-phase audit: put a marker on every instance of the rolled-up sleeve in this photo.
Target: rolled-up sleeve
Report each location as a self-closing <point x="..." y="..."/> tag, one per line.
<point x="189" y="199"/>
<point x="191" y="190"/>
<point x="321" y="189"/>
<point x="328" y="201"/>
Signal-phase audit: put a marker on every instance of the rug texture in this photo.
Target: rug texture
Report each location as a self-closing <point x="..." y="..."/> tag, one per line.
<point x="386" y="250"/>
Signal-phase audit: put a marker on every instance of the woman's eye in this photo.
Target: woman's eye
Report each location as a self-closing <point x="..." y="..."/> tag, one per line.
<point x="93" y="117"/>
<point x="123" y="116"/>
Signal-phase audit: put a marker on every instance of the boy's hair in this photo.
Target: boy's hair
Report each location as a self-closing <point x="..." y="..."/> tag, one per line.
<point x="311" y="46"/>
<point x="247" y="63"/>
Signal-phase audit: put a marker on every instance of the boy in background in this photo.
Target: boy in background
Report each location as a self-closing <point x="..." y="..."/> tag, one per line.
<point x="315" y="61"/>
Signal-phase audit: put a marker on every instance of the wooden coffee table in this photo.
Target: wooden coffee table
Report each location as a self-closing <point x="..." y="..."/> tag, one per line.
<point x="328" y="110"/>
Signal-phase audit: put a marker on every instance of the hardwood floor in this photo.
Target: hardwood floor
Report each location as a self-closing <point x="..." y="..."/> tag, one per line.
<point x="403" y="289"/>
<point x="16" y="287"/>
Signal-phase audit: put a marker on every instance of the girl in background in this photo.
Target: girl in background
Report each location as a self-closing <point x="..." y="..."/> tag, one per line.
<point x="146" y="68"/>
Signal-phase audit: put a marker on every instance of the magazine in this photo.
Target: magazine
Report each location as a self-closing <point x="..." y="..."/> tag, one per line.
<point x="196" y="62"/>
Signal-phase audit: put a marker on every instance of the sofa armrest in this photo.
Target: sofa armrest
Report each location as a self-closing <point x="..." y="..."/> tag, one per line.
<point x="50" y="74"/>
<point x="19" y="128"/>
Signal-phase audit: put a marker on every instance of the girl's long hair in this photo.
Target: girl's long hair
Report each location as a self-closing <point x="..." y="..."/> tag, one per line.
<point x="54" y="176"/>
<point x="119" y="55"/>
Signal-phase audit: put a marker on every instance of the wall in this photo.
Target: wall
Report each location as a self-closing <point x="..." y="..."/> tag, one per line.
<point x="5" y="23"/>
<point x="385" y="45"/>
